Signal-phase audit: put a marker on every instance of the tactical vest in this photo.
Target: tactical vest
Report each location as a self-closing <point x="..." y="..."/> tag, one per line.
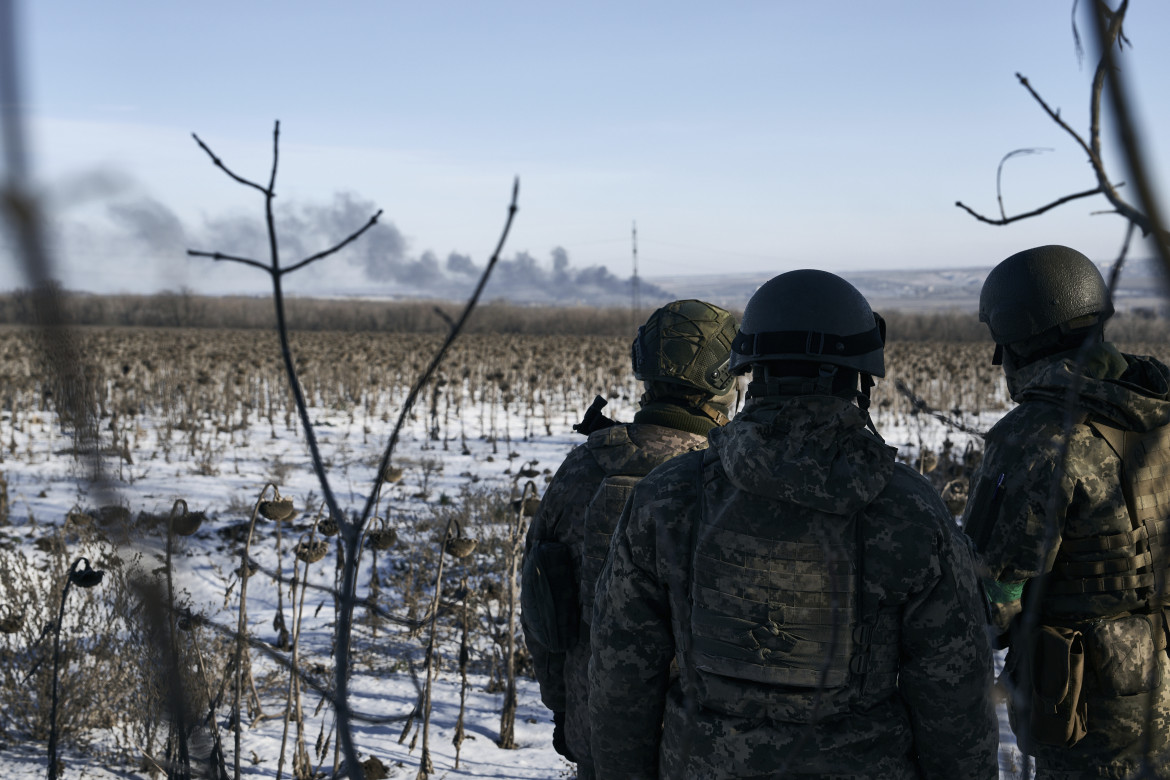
<point x="1123" y="649"/>
<point x="777" y="626"/>
<point x="624" y="462"/>
<point x="1129" y="563"/>
<point x="601" y="518"/>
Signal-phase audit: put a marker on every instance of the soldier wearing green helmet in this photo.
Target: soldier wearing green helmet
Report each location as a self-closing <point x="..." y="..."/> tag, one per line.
<point x="1069" y="513"/>
<point x="820" y="604"/>
<point x="681" y="355"/>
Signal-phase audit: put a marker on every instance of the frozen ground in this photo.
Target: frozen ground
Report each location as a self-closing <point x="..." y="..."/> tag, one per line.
<point x="225" y="479"/>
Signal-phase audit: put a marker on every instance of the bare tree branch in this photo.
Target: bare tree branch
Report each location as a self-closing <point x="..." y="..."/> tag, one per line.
<point x="351" y="533"/>
<point x="999" y="172"/>
<point x="350" y="529"/>
<point x="1109" y="35"/>
<point x="233" y="258"/>
<point x="1054" y="115"/>
<point x="219" y="164"/>
<point x="456" y="327"/>
<point x="920" y="405"/>
<point x="443" y="316"/>
<point x="370" y="604"/>
<point x="338" y="247"/>
<point x="1036" y="212"/>
<point x="282" y="660"/>
<point x="1152" y="221"/>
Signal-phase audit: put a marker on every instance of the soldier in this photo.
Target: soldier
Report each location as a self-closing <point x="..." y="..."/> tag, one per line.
<point x="1069" y="512"/>
<point x="821" y="605"/>
<point x="681" y="354"/>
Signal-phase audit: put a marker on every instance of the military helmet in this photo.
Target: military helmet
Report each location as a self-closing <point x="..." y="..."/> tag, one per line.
<point x="1041" y="289"/>
<point x="811" y="316"/>
<point x="686" y="343"/>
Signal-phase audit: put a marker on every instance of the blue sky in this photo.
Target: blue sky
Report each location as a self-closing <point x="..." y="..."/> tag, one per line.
<point x="742" y="137"/>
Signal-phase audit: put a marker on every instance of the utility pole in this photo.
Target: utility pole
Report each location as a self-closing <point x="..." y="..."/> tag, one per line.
<point x="635" y="300"/>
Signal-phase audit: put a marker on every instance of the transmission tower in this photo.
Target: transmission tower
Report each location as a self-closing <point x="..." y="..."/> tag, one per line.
<point x="635" y="293"/>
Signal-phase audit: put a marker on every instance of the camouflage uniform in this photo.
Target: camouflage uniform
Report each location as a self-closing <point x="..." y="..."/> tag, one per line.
<point x="1127" y="671"/>
<point x="629" y="449"/>
<point x="797" y="478"/>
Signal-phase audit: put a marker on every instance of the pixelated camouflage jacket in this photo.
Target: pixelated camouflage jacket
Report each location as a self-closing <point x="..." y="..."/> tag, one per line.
<point x="1008" y="515"/>
<point x="778" y="459"/>
<point x="633" y="448"/>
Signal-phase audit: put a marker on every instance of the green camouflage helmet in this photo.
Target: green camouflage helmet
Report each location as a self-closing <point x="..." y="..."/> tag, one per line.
<point x="812" y="316"/>
<point x="686" y="343"/>
<point x="1038" y="290"/>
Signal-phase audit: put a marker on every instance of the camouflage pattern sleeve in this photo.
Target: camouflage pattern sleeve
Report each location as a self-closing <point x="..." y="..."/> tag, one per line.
<point x="632" y="646"/>
<point x="1007" y="515"/>
<point x="549" y="667"/>
<point x="946" y="673"/>
<point x="564" y="499"/>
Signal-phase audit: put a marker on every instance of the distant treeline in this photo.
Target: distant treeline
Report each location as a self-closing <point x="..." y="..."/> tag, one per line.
<point x="187" y="310"/>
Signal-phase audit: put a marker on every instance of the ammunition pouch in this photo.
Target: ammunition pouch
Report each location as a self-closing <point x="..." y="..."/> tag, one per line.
<point x="1124" y="653"/>
<point x="549" y="604"/>
<point x="1058" y="715"/>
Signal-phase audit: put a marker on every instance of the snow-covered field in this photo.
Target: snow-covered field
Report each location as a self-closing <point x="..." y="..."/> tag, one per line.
<point x="45" y="483"/>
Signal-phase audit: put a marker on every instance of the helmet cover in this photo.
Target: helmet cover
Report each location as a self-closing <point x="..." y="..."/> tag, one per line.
<point x="686" y="343"/>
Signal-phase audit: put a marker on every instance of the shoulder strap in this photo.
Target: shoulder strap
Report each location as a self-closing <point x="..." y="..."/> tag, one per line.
<point x="1119" y="440"/>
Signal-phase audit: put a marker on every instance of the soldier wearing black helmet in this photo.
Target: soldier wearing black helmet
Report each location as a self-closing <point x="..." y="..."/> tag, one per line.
<point x="1071" y="522"/>
<point x="819" y="602"/>
<point x="681" y="355"/>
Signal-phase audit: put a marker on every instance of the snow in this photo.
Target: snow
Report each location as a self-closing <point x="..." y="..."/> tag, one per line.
<point x="43" y="485"/>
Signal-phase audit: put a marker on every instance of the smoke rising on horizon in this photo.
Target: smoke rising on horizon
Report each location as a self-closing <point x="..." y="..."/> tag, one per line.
<point x="380" y="262"/>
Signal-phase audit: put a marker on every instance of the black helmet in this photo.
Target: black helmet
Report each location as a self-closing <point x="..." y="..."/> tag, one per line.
<point x="686" y="343"/>
<point x="812" y="316"/>
<point x="1047" y="289"/>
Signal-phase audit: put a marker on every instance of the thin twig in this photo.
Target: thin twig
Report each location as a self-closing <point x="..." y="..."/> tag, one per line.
<point x="349" y="535"/>
<point x="1033" y="213"/>
<point x="1092" y="148"/>
<point x="919" y="404"/>
<point x="382" y="612"/>
<point x="999" y="172"/>
<point x="219" y="164"/>
<point x="1134" y="150"/>
<point x="241" y="636"/>
<point x="221" y="256"/>
<point x="1054" y="115"/>
<point x="350" y="529"/>
<point x="276" y="655"/>
<point x="456" y="328"/>
<point x="444" y="316"/>
<point x="353" y="237"/>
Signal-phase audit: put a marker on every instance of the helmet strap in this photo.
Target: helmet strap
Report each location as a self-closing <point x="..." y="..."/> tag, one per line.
<point x="716" y="415"/>
<point x="790" y="379"/>
<point x="863" y="395"/>
<point x="863" y="402"/>
<point x="825" y="376"/>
